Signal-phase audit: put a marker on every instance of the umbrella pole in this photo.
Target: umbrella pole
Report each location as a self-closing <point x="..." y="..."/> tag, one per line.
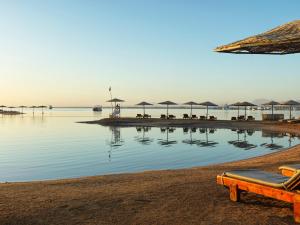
<point x="144" y="109"/>
<point x="272" y="112"/>
<point x="207" y="112"/>
<point x="191" y="110"/>
<point x="238" y="111"/>
<point x="167" y="111"/>
<point x="290" y="112"/>
<point x="245" y="112"/>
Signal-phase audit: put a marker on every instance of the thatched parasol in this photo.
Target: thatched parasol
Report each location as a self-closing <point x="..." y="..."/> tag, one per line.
<point x="284" y="39"/>
<point x="11" y="107"/>
<point x="42" y="107"/>
<point x="207" y="104"/>
<point x="191" y="103"/>
<point x="22" y="107"/>
<point x="167" y="103"/>
<point x="115" y="100"/>
<point x="2" y="106"/>
<point x="272" y="103"/>
<point x="243" y="104"/>
<point x="144" y="104"/>
<point x="33" y="107"/>
<point x="290" y="103"/>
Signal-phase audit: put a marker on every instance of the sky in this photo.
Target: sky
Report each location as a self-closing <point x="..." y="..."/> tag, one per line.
<point x="69" y="52"/>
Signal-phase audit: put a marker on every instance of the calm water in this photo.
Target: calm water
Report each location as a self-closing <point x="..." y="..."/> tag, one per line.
<point x="54" y="146"/>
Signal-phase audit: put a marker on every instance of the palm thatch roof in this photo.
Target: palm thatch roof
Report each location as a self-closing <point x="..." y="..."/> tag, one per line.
<point x="167" y="103"/>
<point x="284" y="39"/>
<point x="144" y="103"/>
<point x="272" y="103"/>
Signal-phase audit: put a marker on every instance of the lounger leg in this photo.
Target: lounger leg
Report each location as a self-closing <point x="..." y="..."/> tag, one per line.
<point x="297" y="208"/>
<point x="234" y="193"/>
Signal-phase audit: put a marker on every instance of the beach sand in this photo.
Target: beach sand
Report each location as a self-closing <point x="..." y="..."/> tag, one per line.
<point x="185" y="196"/>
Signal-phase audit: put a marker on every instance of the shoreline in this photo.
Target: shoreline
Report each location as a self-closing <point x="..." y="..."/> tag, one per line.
<point x="180" y="196"/>
<point x="181" y="123"/>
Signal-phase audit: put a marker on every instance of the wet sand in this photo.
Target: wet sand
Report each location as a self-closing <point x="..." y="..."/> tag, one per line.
<point x="185" y="196"/>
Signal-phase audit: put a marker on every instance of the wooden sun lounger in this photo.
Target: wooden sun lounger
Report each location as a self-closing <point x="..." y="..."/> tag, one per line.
<point x="289" y="170"/>
<point x="271" y="185"/>
<point x="185" y="116"/>
<point x="139" y="116"/>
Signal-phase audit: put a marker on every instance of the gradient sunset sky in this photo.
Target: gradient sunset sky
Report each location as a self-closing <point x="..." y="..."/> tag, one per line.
<point x="68" y="52"/>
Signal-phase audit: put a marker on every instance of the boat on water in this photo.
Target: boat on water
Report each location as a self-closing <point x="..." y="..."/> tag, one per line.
<point x="50" y="107"/>
<point x="97" y="108"/>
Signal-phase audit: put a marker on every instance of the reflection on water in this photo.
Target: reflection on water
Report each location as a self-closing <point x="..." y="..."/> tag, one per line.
<point x="241" y="142"/>
<point x="202" y="138"/>
<point x="55" y="146"/>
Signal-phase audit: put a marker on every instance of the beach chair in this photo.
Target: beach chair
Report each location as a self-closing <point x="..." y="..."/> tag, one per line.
<point x="241" y="118"/>
<point x="233" y="118"/>
<point x="289" y="170"/>
<point x="250" y="118"/>
<point x="171" y="117"/>
<point x="139" y="116"/>
<point x="194" y="117"/>
<point x="146" y="116"/>
<point x="163" y="116"/>
<point x="270" y="185"/>
<point x="202" y="117"/>
<point x="185" y="116"/>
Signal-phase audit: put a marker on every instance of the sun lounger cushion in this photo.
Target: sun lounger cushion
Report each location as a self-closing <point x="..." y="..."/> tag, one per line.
<point x="265" y="178"/>
<point x="292" y="167"/>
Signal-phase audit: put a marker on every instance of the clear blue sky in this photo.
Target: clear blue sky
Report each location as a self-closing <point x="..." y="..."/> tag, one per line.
<point x="68" y="52"/>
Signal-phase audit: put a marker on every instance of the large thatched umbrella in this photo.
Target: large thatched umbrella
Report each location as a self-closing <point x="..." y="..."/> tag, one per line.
<point x="42" y="107"/>
<point x="33" y="107"/>
<point x="272" y="103"/>
<point x="22" y="107"/>
<point x="243" y="104"/>
<point x="208" y="104"/>
<point x="2" y="106"/>
<point x="167" y="103"/>
<point x="237" y="104"/>
<point x="115" y="100"/>
<point x="290" y="103"/>
<point x="284" y="39"/>
<point x="144" y="104"/>
<point x="11" y="107"/>
<point x="246" y="104"/>
<point x="191" y="103"/>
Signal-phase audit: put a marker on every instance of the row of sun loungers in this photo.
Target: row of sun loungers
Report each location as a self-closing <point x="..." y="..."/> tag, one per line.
<point x="145" y="116"/>
<point x="284" y="186"/>
<point x="243" y="118"/>
<point x="186" y="116"/>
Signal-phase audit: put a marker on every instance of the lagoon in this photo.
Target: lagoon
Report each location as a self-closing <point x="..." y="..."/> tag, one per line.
<point x="54" y="146"/>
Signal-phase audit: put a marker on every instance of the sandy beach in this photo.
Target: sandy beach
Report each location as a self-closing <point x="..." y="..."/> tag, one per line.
<point x="185" y="196"/>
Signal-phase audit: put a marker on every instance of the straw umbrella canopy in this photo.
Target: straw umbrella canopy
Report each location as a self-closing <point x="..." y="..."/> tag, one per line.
<point x="272" y="103"/>
<point x="167" y="103"/>
<point x="42" y="107"/>
<point x="191" y="103"/>
<point x="115" y="100"/>
<point x="208" y="104"/>
<point x="290" y="103"/>
<point x="2" y="106"/>
<point x="33" y="107"/>
<point x="243" y="104"/>
<point x="11" y="107"/>
<point x="246" y="104"/>
<point x="22" y="107"/>
<point x="144" y="104"/>
<point x="284" y="39"/>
